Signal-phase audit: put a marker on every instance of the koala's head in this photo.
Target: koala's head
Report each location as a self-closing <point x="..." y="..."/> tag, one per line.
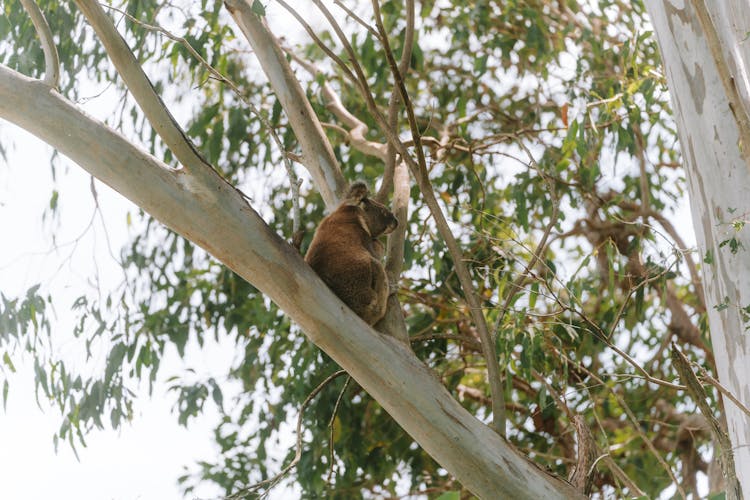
<point x="376" y="218"/>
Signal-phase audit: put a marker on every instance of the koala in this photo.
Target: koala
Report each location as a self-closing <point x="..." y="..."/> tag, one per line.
<point x="346" y="253"/>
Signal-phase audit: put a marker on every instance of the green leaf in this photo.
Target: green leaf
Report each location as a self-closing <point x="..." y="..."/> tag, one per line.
<point x="8" y="362"/>
<point x="450" y="495"/>
<point x="114" y="361"/>
<point x="533" y="294"/>
<point x="53" y="200"/>
<point x="258" y="8"/>
<point x="480" y="64"/>
<point x="723" y="305"/>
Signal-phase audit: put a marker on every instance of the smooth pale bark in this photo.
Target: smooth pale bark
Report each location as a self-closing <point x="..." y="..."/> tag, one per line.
<point x="719" y="188"/>
<point x="730" y="20"/>
<point x="205" y="209"/>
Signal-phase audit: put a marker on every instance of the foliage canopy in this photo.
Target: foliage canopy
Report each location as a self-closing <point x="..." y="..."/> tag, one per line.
<point x="550" y="143"/>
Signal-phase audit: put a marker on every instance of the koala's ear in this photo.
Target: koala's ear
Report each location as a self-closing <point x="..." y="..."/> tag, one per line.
<point x="357" y="192"/>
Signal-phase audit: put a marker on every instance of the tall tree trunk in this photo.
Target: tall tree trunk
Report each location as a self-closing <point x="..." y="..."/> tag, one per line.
<point x="706" y="53"/>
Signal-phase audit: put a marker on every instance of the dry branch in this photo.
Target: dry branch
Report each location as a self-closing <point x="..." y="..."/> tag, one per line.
<point x="699" y="396"/>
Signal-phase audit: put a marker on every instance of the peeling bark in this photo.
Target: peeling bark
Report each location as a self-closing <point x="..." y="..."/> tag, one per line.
<point x="718" y="179"/>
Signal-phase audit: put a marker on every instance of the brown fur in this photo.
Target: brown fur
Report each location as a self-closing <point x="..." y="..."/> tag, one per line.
<point x="346" y="254"/>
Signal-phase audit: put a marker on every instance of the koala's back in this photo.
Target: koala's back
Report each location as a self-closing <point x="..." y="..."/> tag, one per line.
<point x="346" y="254"/>
<point x="340" y="253"/>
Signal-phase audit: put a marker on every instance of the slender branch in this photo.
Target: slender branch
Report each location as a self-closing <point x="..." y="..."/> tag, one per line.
<point x="142" y="90"/>
<point x="330" y="425"/>
<point x="347" y="71"/>
<point x="51" y="60"/>
<point x="620" y="475"/>
<point x="419" y="171"/>
<point x="726" y="392"/>
<point x="699" y="396"/>
<point x="361" y="79"/>
<point x="394" y="101"/>
<point x="295" y="182"/>
<point x="317" y="154"/>
<point x="358" y="19"/>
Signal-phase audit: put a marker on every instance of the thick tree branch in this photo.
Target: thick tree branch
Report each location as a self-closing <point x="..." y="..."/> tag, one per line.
<point x="317" y="154"/>
<point x="294" y="181"/>
<point x="211" y="213"/>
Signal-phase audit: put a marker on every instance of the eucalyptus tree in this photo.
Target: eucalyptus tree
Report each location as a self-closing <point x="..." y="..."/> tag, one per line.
<point x="528" y="149"/>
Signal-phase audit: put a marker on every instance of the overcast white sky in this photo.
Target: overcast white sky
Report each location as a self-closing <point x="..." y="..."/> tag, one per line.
<point x="142" y="460"/>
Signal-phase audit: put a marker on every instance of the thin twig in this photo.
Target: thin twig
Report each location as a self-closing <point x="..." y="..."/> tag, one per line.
<point x="347" y="71"/>
<point x="358" y="19"/>
<point x="271" y="482"/>
<point x="330" y="426"/>
<point x="636" y="425"/>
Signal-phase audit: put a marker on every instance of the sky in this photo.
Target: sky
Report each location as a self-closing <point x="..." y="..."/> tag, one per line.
<point x="143" y="459"/>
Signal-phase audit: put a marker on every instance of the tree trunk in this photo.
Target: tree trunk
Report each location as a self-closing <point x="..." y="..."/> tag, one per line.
<point x="705" y="52"/>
